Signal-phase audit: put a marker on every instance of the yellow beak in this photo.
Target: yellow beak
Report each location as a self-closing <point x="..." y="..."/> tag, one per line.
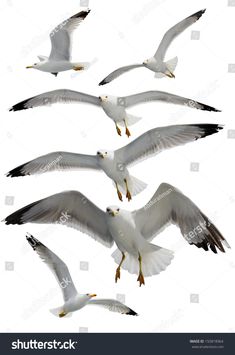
<point x="93" y="295"/>
<point x="114" y="213"/>
<point x="29" y="66"/>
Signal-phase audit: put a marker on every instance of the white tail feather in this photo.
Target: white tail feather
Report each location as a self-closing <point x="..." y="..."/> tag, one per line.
<point x="135" y="186"/>
<point x="171" y="64"/>
<point x="159" y="75"/>
<point x="130" y="120"/>
<point x="153" y="262"/>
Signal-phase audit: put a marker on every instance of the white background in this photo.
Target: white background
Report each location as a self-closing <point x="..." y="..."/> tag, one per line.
<point x="118" y="33"/>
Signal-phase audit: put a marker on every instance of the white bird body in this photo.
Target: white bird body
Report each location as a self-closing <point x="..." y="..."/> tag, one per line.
<point x="50" y="66"/>
<point x="157" y="63"/>
<point x="115" y="107"/>
<point x="60" y="57"/>
<point x="132" y="232"/>
<point x="115" y="164"/>
<point x="73" y="301"/>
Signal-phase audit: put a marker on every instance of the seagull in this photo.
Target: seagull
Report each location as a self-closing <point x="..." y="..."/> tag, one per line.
<point x="133" y="231"/>
<point x="157" y="64"/>
<point x="115" y="163"/>
<point x="114" y="106"/>
<point x="60" y="56"/>
<point x="73" y="301"/>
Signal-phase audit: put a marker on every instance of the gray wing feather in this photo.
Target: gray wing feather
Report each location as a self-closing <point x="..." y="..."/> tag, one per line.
<point x="162" y="138"/>
<point x="56" y="161"/>
<point x="57" y="266"/>
<point x="61" y="37"/>
<point x="169" y="206"/>
<point x="113" y="306"/>
<point x="116" y="73"/>
<point x="69" y="208"/>
<point x="174" y="31"/>
<point x="64" y="96"/>
<point x="148" y="96"/>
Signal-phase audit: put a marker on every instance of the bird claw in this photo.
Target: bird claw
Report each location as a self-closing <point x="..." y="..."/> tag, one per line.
<point x="119" y="195"/>
<point x="128" y="195"/>
<point x="119" y="132"/>
<point x="141" y="279"/>
<point x="118" y="274"/>
<point x="128" y="133"/>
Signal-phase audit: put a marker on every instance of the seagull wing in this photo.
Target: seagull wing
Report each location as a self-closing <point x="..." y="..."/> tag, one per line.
<point x="57" y="161"/>
<point x="56" y="96"/>
<point x="158" y="139"/>
<point x="148" y="96"/>
<point x="116" y="73"/>
<point x="69" y="208"/>
<point x="174" y="31"/>
<point x="61" y="37"/>
<point x="113" y="306"/>
<point x="169" y="206"/>
<point x="56" y="265"/>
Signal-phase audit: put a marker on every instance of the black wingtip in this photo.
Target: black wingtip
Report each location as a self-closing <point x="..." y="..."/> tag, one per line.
<point x="20" y="106"/>
<point x="103" y="82"/>
<point x="17" y="217"/>
<point x="17" y="172"/>
<point x="200" y="13"/>
<point x="32" y="240"/>
<point x="132" y="313"/>
<point x="209" y="108"/>
<point x="209" y="128"/>
<point x="82" y="14"/>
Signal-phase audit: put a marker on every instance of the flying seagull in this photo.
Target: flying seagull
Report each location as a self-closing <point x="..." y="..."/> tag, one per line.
<point x="133" y="231"/>
<point x="157" y="64"/>
<point x="73" y="301"/>
<point x="115" y="163"/>
<point x="60" y="56"/>
<point x="114" y="106"/>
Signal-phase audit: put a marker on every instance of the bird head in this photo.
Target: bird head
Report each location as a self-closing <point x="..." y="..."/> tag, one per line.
<point x="104" y="154"/>
<point x="103" y="98"/>
<point x="113" y="211"/>
<point x="34" y="66"/>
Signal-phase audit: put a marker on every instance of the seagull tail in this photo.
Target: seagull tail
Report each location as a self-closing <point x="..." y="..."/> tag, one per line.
<point x="154" y="260"/>
<point x="130" y="120"/>
<point x="171" y="64"/>
<point x="135" y="186"/>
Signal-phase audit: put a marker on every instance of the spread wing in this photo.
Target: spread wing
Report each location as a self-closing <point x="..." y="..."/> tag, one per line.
<point x="159" y="139"/>
<point x="148" y="96"/>
<point x="113" y="306"/>
<point x="61" y="37"/>
<point x="169" y="206"/>
<point x="69" y="208"/>
<point x="174" y="31"/>
<point x="57" y="161"/>
<point x="56" y="265"/>
<point x="54" y="97"/>
<point x="116" y="73"/>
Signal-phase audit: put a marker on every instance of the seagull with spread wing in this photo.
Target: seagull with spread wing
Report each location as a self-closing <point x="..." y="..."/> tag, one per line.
<point x="115" y="163"/>
<point x="157" y="63"/>
<point x="73" y="301"/>
<point x="60" y="56"/>
<point x="133" y="231"/>
<point x="114" y="106"/>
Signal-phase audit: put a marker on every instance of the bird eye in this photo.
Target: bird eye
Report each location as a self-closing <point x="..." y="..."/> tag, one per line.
<point x="106" y="152"/>
<point x="106" y="97"/>
<point x="118" y="209"/>
<point x="108" y="209"/>
<point x="98" y="153"/>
